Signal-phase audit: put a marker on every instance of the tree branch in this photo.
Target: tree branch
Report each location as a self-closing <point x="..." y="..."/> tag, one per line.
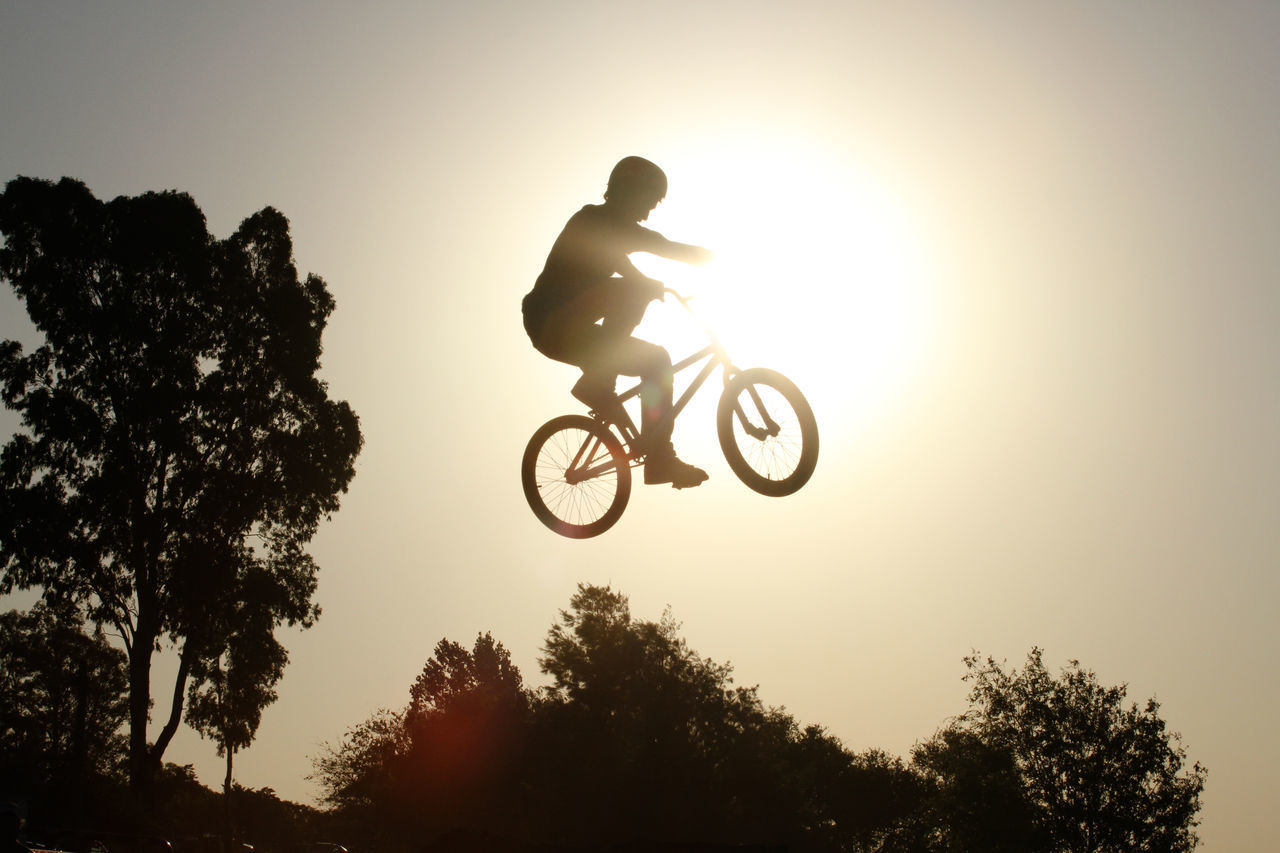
<point x="175" y="709"/>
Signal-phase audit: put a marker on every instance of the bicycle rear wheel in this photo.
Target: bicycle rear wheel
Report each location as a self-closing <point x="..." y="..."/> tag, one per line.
<point x="576" y="476"/>
<point x="767" y="431"/>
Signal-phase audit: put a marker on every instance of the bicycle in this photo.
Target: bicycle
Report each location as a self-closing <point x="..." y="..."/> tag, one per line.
<point x="576" y="469"/>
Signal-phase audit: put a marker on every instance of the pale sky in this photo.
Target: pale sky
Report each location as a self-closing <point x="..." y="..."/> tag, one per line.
<point x="1021" y="257"/>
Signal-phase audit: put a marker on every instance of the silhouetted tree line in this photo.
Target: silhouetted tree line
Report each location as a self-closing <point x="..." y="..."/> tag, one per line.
<point x="639" y="743"/>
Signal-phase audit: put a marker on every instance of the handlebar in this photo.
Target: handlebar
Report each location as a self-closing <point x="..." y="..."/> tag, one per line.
<point x="681" y="298"/>
<point x="684" y="303"/>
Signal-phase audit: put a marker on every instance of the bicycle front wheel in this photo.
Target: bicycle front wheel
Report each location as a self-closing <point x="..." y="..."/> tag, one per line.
<point x="767" y="431"/>
<point x="576" y="476"/>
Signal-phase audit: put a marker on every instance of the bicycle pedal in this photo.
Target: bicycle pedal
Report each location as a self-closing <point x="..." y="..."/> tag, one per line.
<point x="612" y="411"/>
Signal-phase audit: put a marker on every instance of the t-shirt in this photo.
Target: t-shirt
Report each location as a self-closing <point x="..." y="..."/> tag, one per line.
<point x="592" y="247"/>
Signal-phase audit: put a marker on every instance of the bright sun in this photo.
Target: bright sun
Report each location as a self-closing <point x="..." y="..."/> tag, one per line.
<point x="817" y="273"/>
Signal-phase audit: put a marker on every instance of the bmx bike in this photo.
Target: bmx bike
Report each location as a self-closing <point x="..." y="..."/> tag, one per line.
<point x="576" y="470"/>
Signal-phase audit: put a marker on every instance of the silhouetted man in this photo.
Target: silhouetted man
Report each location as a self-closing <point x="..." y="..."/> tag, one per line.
<point x="590" y="298"/>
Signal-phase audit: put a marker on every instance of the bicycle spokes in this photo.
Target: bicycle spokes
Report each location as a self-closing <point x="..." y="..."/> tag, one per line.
<point x="592" y="460"/>
<point x="575" y="476"/>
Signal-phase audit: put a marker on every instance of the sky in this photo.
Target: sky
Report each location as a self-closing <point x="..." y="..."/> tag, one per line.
<point x="1020" y="257"/>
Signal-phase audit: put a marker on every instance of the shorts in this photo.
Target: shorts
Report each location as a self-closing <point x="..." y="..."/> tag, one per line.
<point x="592" y="330"/>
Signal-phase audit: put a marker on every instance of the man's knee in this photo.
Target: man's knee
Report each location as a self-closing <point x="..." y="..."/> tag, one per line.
<point x="658" y="363"/>
<point x="627" y="306"/>
<point x="623" y="320"/>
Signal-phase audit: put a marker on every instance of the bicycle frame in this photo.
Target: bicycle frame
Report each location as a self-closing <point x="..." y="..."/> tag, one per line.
<point x="715" y="356"/>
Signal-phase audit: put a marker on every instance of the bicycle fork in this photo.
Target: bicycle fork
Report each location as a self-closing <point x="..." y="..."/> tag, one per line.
<point x="770" y="428"/>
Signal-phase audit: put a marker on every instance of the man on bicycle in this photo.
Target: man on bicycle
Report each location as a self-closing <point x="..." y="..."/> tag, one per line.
<point x="590" y="298"/>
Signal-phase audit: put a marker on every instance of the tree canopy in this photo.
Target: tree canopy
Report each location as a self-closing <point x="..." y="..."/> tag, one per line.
<point x="1047" y="764"/>
<point x="637" y="740"/>
<point x="177" y="449"/>
<point x="1098" y="775"/>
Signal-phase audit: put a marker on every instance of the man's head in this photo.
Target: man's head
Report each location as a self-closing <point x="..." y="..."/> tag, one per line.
<point x="636" y="185"/>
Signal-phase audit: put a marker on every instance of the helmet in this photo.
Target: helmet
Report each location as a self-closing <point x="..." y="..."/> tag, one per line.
<point x="634" y="175"/>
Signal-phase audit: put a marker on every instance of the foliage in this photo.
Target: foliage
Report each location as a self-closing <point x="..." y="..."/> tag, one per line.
<point x="183" y="812"/>
<point x="1058" y="764"/>
<point x="228" y="692"/>
<point x="465" y="731"/>
<point x="972" y="798"/>
<point x="455" y="678"/>
<point x="637" y="739"/>
<point x="657" y="741"/>
<point x="449" y="760"/>
<point x="353" y="774"/>
<point x="638" y="742"/>
<point x="66" y="700"/>
<point x="177" y="451"/>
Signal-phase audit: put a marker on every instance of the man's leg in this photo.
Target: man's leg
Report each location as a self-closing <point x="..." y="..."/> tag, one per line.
<point x="624" y="307"/>
<point x="571" y="334"/>
<point x="606" y="350"/>
<point x="633" y="357"/>
<point x="619" y="307"/>
<point x="652" y="364"/>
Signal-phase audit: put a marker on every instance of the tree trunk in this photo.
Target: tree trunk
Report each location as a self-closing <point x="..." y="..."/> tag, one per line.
<point x="227" y="833"/>
<point x="141" y="773"/>
<point x="175" y="708"/>
<point x="145" y="760"/>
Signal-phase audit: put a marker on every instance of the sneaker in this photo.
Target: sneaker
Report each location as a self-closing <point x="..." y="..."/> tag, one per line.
<point x="666" y="467"/>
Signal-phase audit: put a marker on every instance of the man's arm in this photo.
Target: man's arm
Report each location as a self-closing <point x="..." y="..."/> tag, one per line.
<point x="684" y="252"/>
<point x="654" y="243"/>
<point x="629" y="273"/>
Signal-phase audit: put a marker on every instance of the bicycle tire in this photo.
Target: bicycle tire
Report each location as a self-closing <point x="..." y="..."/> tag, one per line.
<point x="590" y="506"/>
<point x="782" y="455"/>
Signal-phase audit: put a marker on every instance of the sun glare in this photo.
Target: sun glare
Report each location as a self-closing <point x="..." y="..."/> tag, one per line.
<point x="817" y="273"/>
